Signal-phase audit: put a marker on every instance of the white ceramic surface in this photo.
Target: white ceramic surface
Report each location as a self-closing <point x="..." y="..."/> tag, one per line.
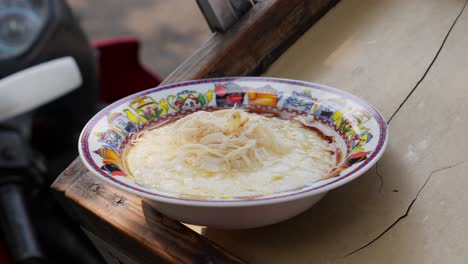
<point x="359" y="128"/>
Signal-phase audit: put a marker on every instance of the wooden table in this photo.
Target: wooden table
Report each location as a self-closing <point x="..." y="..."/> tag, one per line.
<point x="409" y="58"/>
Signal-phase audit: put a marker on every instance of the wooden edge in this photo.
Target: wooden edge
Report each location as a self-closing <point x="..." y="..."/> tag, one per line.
<point x="131" y="226"/>
<point x="137" y="230"/>
<point x="253" y="44"/>
<point x="72" y="173"/>
<point x="69" y="175"/>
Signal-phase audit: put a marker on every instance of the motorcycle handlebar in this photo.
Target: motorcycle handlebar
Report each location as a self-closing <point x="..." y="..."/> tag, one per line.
<point x="16" y="226"/>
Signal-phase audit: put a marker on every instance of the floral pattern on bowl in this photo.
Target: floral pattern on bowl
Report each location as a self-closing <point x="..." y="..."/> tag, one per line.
<point x="360" y="127"/>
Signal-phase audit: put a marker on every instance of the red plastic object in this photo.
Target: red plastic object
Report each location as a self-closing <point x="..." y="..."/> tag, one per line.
<point x="120" y="71"/>
<point x="4" y="258"/>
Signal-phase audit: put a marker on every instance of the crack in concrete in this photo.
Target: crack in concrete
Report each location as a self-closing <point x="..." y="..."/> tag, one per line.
<point x="430" y="65"/>
<point x="417" y="85"/>
<point x="407" y="210"/>
<point x="381" y="179"/>
<point x="390" y="119"/>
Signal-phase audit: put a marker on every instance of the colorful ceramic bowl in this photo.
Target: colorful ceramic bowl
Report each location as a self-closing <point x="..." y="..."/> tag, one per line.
<point x="357" y="126"/>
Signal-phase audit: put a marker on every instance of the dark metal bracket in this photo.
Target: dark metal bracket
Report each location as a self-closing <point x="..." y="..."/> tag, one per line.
<point x="222" y="14"/>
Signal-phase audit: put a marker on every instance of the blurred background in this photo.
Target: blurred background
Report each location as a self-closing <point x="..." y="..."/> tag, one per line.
<point x="42" y="131"/>
<point x="170" y="30"/>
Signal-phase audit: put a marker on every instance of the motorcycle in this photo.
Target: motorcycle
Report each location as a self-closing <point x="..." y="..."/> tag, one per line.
<point x="52" y="80"/>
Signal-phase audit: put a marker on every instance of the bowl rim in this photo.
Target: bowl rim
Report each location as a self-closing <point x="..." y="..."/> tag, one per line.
<point x="291" y="195"/>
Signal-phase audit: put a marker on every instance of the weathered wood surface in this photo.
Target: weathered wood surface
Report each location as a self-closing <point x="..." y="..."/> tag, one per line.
<point x="121" y="221"/>
<point x="108" y="252"/>
<point x="384" y="51"/>
<point x="135" y="229"/>
<point x="250" y="46"/>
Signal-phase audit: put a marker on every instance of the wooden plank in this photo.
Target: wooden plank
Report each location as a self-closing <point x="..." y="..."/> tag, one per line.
<point x="69" y="175"/>
<point x="136" y="229"/>
<point x="403" y="37"/>
<point x="72" y="173"/>
<point x="108" y="252"/>
<point x="429" y="161"/>
<point x="250" y="46"/>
